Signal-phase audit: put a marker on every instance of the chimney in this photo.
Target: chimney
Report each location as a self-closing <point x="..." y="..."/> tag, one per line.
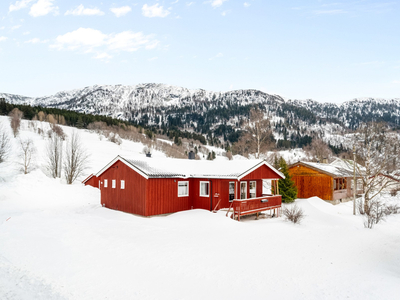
<point x="192" y="155"/>
<point x="324" y="160"/>
<point x="148" y="154"/>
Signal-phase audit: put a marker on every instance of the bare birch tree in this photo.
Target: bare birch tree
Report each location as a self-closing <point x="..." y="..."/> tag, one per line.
<point x="376" y="149"/>
<point x="318" y="150"/>
<point x="54" y="151"/>
<point x="257" y="137"/>
<point x="5" y="145"/>
<point x="15" y="120"/>
<point x="27" y="155"/>
<point x="76" y="158"/>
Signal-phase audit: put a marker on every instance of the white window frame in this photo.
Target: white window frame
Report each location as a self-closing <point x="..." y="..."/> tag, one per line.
<point x="113" y="183"/>
<point x="267" y="187"/>
<point x="105" y="183"/>
<point x="255" y="189"/>
<point x="122" y="184"/>
<point x="183" y="183"/>
<point x="208" y="192"/>
<point x="234" y="190"/>
<point x="240" y="189"/>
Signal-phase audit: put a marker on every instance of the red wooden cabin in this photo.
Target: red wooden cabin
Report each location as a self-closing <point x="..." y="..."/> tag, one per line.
<point x="160" y="186"/>
<point x="92" y="180"/>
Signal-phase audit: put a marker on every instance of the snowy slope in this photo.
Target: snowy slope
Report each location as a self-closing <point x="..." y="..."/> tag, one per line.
<point x="57" y="242"/>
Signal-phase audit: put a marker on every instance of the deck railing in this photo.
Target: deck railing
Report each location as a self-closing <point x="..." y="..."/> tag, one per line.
<point x="249" y="206"/>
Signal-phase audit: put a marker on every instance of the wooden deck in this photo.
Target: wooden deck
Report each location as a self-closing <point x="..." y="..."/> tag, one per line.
<point x="242" y="207"/>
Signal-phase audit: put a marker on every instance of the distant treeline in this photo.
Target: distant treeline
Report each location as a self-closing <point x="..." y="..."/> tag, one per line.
<point x="82" y="120"/>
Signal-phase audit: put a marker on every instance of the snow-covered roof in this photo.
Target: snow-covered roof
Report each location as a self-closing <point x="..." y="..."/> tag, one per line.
<point x="332" y="170"/>
<point x="346" y="164"/>
<point x="87" y="178"/>
<point x="185" y="168"/>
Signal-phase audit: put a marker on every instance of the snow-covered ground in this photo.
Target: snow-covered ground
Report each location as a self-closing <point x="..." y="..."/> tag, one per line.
<point x="57" y="242"/>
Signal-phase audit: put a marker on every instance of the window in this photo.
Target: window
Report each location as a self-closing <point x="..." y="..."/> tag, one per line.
<point x="105" y="183"/>
<point x="243" y="190"/>
<point x="231" y="191"/>
<point x="253" y="189"/>
<point x="113" y="183"/>
<point x="204" y="189"/>
<point x="122" y="184"/>
<point x="339" y="184"/>
<point x="183" y="188"/>
<point x="267" y="187"/>
<point x="359" y="185"/>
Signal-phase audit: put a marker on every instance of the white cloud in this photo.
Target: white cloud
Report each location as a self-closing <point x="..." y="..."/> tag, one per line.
<point x="153" y="58"/>
<point x="3" y="38"/>
<point x="15" y="27"/>
<point x="26" y="33"/>
<point x="190" y="3"/>
<point x="33" y="41"/>
<point x="246" y="4"/>
<point x="219" y="55"/>
<point x="217" y="3"/>
<point x="19" y="5"/>
<point x="42" y="8"/>
<point x="396" y="81"/>
<point x="224" y="13"/>
<point x="36" y="41"/>
<point x="103" y="56"/>
<point x="120" y="11"/>
<point x="82" y="11"/>
<point x="89" y="40"/>
<point x="83" y="38"/>
<point x="154" y="11"/>
<point x="130" y="41"/>
<point x="3" y="27"/>
<point x="175" y="2"/>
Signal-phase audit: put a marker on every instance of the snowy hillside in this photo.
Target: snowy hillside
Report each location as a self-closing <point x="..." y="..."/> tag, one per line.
<point x="57" y="242"/>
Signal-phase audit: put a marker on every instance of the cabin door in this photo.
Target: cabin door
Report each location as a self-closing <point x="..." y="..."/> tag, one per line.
<point x="243" y="190"/>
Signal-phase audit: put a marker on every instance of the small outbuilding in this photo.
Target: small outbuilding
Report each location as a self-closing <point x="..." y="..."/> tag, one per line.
<point x="330" y="182"/>
<point x="159" y="186"/>
<point x="92" y="180"/>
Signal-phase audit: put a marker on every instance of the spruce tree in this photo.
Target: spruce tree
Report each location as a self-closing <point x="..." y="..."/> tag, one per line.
<point x="79" y="123"/>
<point x="287" y="188"/>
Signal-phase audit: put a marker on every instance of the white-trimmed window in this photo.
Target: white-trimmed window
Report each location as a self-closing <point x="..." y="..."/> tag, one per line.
<point x="105" y="183"/>
<point x="359" y="185"/>
<point x="243" y="190"/>
<point x="183" y="188"/>
<point x="231" y="190"/>
<point x="253" y="189"/>
<point x="114" y="183"/>
<point x="122" y="184"/>
<point x="204" y="189"/>
<point x="267" y="187"/>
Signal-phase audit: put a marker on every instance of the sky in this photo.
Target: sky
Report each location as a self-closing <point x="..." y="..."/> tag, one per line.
<point x="327" y="51"/>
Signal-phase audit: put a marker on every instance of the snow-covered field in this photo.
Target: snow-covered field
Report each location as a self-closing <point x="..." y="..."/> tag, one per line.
<point x="57" y="242"/>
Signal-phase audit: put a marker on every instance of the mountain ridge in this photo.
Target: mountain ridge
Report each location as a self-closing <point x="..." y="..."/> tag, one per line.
<point x="216" y="113"/>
